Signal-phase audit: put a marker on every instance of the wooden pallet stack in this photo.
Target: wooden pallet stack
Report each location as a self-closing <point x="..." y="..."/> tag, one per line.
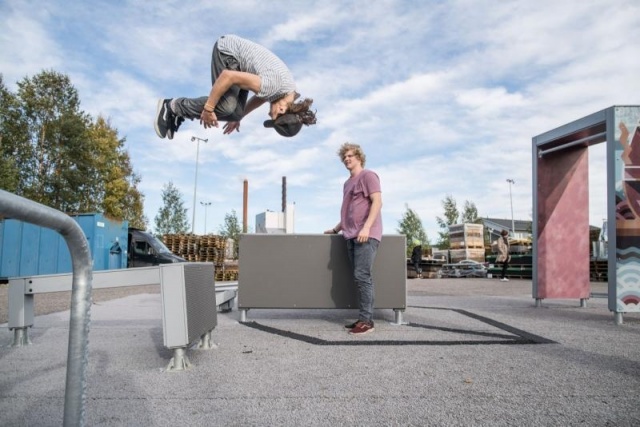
<point x="172" y="242"/>
<point x="209" y="248"/>
<point x="195" y="248"/>
<point x="228" y="272"/>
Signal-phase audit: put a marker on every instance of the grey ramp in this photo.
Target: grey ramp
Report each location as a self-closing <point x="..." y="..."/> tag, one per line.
<point x="313" y="271"/>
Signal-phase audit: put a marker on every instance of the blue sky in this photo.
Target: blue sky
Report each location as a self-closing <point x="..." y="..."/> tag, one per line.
<point x="443" y="96"/>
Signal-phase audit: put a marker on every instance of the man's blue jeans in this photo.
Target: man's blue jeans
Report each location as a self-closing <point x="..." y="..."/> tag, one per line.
<point x="362" y="256"/>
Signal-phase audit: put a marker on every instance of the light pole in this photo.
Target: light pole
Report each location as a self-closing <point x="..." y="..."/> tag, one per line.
<point x="513" y="227"/>
<point x="206" y="205"/>
<point x="195" y="184"/>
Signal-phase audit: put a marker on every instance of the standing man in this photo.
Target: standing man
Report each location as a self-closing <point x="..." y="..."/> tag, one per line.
<point x="361" y="226"/>
<point x="503" y="254"/>
<point x="239" y="66"/>
<point x="416" y="258"/>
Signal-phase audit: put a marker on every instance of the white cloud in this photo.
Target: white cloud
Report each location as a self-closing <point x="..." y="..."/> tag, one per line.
<point x="444" y="98"/>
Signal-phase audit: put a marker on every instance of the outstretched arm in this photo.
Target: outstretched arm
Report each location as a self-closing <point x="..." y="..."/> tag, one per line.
<point x="334" y="230"/>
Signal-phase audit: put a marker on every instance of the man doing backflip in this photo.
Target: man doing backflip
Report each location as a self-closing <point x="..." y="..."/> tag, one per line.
<point x="237" y="67"/>
<point x="361" y="226"/>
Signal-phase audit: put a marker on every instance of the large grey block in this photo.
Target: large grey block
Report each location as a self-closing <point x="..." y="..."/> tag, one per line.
<point x="313" y="271"/>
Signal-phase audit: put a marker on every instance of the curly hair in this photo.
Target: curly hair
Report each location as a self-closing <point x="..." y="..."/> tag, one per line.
<point x="301" y="109"/>
<point x="357" y="151"/>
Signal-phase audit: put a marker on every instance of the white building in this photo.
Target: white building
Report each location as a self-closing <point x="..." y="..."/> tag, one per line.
<point x="270" y="222"/>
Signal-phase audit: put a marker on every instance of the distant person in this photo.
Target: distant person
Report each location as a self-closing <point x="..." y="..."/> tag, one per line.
<point x="361" y="226"/>
<point x="503" y="254"/>
<point x="239" y="66"/>
<point x="416" y="259"/>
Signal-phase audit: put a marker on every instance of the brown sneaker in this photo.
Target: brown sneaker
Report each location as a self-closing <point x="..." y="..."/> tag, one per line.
<point x="362" y="328"/>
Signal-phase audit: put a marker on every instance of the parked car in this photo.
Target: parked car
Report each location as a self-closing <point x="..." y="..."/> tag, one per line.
<point x="464" y="268"/>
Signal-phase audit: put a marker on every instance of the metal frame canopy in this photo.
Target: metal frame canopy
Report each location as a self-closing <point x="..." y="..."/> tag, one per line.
<point x="561" y="208"/>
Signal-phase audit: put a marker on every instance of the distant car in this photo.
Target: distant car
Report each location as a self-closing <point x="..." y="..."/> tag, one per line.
<point x="464" y="268"/>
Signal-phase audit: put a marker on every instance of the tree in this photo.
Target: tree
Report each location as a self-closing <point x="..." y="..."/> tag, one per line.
<point x="14" y="145"/>
<point x="55" y="154"/>
<point x="172" y="216"/>
<point x="119" y="196"/>
<point x="411" y="227"/>
<point x="231" y="230"/>
<point x="57" y="132"/>
<point x="451" y="215"/>
<point x="469" y="213"/>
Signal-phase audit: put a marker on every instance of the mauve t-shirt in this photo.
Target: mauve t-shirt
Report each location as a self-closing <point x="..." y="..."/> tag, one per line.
<point x="356" y="204"/>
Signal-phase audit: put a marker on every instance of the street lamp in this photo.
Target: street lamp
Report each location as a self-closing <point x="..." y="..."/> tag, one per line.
<point x="206" y="205"/>
<point x="513" y="227"/>
<point x="195" y="184"/>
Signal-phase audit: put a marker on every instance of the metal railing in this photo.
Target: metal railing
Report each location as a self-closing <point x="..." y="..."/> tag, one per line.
<point x="29" y="211"/>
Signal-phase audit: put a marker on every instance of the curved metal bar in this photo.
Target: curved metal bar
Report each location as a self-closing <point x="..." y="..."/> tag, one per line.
<point x="29" y="211"/>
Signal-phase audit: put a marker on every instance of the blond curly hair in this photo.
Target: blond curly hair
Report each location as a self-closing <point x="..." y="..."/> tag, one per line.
<point x="357" y="151"/>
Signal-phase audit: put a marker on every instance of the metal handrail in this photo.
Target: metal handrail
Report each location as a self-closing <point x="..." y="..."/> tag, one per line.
<point x="17" y="207"/>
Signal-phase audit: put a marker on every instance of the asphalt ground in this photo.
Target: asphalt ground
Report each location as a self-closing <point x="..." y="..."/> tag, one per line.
<point x="472" y="352"/>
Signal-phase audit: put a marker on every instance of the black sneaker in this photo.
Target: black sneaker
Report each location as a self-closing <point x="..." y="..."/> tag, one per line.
<point x="175" y="124"/>
<point x="164" y="118"/>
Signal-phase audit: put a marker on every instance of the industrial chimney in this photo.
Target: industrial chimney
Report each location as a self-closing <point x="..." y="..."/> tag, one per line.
<point x="284" y="193"/>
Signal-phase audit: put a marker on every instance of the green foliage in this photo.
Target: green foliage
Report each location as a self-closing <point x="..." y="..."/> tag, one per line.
<point x="411" y="226"/>
<point x="14" y="147"/>
<point x="232" y="230"/>
<point x="172" y="216"/>
<point x="55" y="154"/>
<point x="469" y="213"/>
<point x="451" y="215"/>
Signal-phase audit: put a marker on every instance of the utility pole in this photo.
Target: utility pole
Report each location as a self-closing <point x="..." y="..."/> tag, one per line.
<point x="195" y="184"/>
<point x="206" y="205"/>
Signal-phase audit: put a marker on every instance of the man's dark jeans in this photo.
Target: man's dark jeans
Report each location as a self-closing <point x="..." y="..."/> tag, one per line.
<point x="362" y="256"/>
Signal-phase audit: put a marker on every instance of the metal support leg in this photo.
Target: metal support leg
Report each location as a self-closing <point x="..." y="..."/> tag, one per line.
<point x="206" y="343"/>
<point x="617" y="318"/>
<point x="20" y="337"/>
<point x="583" y="303"/>
<point x="538" y="302"/>
<point x="398" y="317"/>
<point x="179" y="361"/>
<point x="243" y="315"/>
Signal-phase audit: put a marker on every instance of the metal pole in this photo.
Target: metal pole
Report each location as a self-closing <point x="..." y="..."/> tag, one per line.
<point x="245" y="202"/>
<point x="29" y="211"/>
<point x="206" y="205"/>
<point x="513" y="227"/>
<point x="195" y="184"/>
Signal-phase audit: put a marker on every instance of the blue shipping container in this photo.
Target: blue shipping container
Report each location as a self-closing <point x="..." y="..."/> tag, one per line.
<point x="29" y="250"/>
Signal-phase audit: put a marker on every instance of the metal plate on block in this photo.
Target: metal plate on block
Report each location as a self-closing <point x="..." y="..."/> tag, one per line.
<point x="313" y="271"/>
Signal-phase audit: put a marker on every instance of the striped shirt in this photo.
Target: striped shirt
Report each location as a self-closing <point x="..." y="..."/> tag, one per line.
<point x="275" y="78"/>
